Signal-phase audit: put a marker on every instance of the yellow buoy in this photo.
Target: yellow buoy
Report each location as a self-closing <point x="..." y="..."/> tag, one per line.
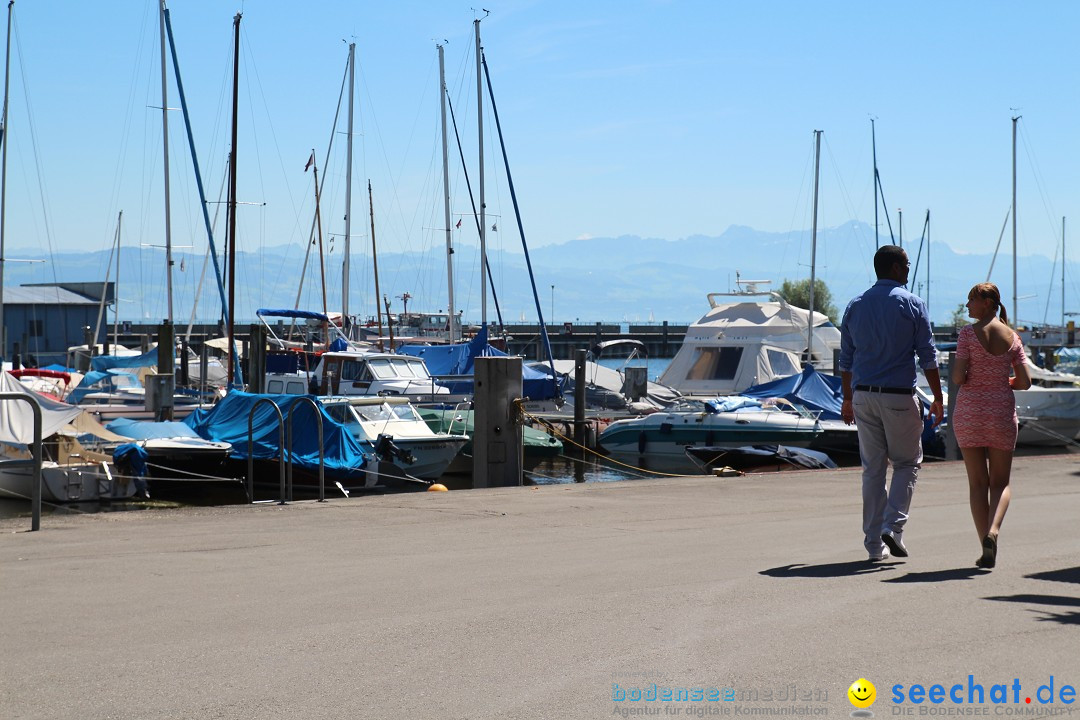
<point x="436" y="487"/>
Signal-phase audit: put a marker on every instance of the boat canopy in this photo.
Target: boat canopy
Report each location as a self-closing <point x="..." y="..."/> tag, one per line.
<point x="453" y="366"/>
<point x="102" y="381"/>
<point x="297" y="314"/>
<point x="108" y="362"/>
<point x="811" y="389"/>
<point x="227" y="421"/>
<point x="17" y="418"/>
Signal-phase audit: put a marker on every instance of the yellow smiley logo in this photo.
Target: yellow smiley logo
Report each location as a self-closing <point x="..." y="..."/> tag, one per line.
<point x="862" y="693"/>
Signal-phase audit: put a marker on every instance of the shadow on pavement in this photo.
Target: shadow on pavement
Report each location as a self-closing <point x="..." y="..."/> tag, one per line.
<point x="1069" y="575"/>
<point x="939" y="575"/>
<point x="1065" y="618"/>
<point x="827" y="570"/>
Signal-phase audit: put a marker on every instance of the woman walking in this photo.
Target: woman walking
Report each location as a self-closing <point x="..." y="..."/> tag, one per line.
<point x="984" y="419"/>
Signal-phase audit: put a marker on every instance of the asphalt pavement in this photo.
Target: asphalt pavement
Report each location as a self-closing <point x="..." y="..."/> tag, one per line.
<point x="715" y="596"/>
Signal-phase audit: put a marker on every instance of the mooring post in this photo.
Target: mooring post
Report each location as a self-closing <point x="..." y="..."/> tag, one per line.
<point x="497" y="445"/>
<point x="579" y="398"/>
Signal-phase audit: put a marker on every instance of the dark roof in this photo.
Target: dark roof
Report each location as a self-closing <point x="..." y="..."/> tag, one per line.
<point x="44" y="295"/>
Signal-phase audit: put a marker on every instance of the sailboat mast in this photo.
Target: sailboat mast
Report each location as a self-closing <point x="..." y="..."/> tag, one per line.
<point x="446" y="199"/>
<point x="873" y="145"/>
<point x="1063" y="271"/>
<point x="483" y="206"/>
<point x="165" y="165"/>
<point x="1015" y="317"/>
<point x="348" y="196"/>
<point x="232" y="196"/>
<point x="813" y="249"/>
<point x="928" y="261"/>
<point x="116" y="287"/>
<point x="3" y="176"/>
<point x="375" y="265"/>
<point x="318" y="225"/>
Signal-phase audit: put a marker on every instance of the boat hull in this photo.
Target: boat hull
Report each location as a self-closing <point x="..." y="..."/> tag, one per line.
<point x="82" y="482"/>
<point x="667" y="435"/>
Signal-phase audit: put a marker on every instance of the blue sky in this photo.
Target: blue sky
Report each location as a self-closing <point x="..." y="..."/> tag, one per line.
<point x="659" y="119"/>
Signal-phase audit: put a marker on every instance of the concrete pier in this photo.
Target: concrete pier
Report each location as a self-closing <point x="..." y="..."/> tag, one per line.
<point x="541" y="602"/>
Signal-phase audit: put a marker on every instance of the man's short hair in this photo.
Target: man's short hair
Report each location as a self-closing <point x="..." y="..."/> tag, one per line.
<point x="885" y="257"/>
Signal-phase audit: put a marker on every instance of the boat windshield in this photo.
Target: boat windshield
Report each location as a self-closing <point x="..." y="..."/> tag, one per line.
<point x="384" y="412"/>
<point x="403" y="367"/>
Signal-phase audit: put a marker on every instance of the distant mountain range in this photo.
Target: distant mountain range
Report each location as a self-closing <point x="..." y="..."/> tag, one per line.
<point x="623" y="279"/>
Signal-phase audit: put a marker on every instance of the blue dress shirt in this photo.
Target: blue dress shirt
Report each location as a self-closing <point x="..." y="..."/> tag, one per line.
<point x="882" y="332"/>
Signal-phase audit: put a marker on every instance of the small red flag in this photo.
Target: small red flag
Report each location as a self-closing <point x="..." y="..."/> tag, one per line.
<point x="458" y="224"/>
<point x="310" y="162"/>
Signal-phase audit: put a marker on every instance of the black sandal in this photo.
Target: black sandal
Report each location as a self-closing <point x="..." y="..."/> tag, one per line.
<point x="989" y="554"/>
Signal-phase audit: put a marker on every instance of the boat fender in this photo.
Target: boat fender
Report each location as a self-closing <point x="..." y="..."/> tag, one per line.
<point x="641" y="443"/>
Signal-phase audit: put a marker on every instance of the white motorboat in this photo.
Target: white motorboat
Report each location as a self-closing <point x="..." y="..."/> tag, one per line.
<point x="717" y="422"/>
<point x="748" y="338"/>
<point x="423" y="454"/>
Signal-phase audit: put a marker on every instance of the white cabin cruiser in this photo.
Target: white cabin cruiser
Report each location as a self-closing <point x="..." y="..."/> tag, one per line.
<point x="748" y="338"/>
<point x="368" y="418"/>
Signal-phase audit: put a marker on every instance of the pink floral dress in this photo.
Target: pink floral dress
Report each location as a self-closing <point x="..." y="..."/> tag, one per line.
<point x="985" y="412"/>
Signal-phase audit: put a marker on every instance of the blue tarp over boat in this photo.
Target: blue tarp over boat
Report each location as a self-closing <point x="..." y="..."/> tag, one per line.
<point x="227" y="421"/>
<point x="108" y="362"/>
<point x="811" y="389"/>
<point x="102" y="381"/>
<point x="148" y="430"/>
<point x="453" y="366"/>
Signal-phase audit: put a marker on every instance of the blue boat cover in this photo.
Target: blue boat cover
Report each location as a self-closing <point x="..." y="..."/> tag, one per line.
<point x="734" y="403"/>
<point x="100" y="381"/>
<point x="134" y="456"/>
<point x="148" y="430"/>
<point x="300" y="314"/>
<point x="108" y="362"/>
<point x="227" y="421"/>
<point x="809" y="388"/>
<point x="453" y="366"/>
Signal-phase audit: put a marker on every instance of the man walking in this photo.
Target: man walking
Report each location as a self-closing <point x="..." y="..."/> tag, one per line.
<point x="883" y="331"/>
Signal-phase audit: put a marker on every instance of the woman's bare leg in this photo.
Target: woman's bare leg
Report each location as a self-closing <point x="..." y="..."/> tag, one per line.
<point x="1000" y="491"/>
<point x="978" y="488"/>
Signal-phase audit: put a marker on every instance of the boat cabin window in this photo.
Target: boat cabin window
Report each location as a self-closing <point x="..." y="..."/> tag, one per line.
<point x="274" y="387"/>
<point x="295" y="388"/>
<point x="355" y="370"/>
<point x="781" y="363"/>
<point x="390" y="368"/>
<point x="340" y="413"/>
<point x="715" y="364"/>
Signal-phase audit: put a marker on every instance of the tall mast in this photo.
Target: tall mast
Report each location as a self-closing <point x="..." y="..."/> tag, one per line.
<point x="1015" y="317"/>
<point x="873" y="144"/>
<point x="165" y="143"/>
<point x="813" y="249"/>
<point x="483" y="219"/>
<point x="116" y="287"/>
<point x="1063" y="271"/>
<point x="446" y="198"/>
<point x="348" y="196"/>
<point x="900" y="223"/>
<point x="318" y="225"/>
<point x="375" y="265"/>
<point x="928" y="261"/>
<point x="232" y="194"/>
<point x="3" y="175"/>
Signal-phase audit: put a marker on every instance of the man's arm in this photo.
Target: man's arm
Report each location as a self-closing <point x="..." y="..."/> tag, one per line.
<point x="847" y="410"/>
<point x="937" y="408"/>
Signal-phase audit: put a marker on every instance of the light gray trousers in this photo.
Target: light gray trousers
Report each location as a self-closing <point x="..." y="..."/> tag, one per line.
<point x="890" y="430"/>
